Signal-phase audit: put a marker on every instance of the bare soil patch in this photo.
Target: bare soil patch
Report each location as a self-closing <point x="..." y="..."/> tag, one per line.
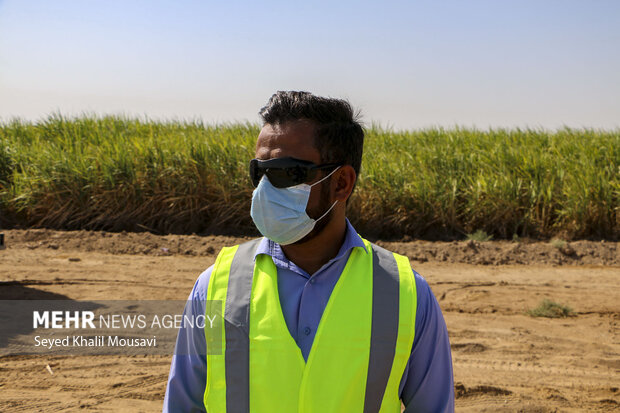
<point x="504" y="360"/>
<point x="524" y="252"/>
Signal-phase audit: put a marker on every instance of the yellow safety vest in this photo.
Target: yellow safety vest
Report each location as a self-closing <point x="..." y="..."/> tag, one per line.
<point x="358" y="355"/>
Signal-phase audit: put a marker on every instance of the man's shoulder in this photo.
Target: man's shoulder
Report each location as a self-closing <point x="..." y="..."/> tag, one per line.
<point x="199" y="292"/>
<point x="252" y="246"/>
<point x="422" y="287"/>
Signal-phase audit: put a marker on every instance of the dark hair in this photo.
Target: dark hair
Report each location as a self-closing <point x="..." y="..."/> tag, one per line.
<point x="339" y="135"/>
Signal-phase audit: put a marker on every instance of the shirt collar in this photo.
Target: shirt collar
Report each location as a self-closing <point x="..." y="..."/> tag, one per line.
<point x="351" y="240"/>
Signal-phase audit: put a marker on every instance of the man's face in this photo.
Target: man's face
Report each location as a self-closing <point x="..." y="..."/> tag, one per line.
<point x="296" y="139"/>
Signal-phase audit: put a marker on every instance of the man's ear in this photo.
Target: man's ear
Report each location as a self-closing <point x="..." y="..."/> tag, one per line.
<point x="343" y="182"/>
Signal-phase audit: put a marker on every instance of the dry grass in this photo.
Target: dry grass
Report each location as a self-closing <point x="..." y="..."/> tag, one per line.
<point x="550" y="309"/>
<point x="479" y="236"/>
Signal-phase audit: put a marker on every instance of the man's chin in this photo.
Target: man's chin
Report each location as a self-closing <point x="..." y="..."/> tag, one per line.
<point x="311" y="235"/>
<point x="316" y="231"/>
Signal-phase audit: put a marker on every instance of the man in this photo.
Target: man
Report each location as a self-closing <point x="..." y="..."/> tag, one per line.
<point x="316" y="318"/>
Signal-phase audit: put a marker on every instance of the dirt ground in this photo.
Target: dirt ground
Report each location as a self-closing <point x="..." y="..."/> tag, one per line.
<point x="504" y="360"/>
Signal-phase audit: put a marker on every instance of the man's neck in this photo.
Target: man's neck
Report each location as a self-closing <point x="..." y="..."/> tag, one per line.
<point x="313" y="254"/>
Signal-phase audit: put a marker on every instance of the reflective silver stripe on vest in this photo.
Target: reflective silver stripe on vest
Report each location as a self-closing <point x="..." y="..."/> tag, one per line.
<point x="385" y="298"/>
<point x="237" y="328"/>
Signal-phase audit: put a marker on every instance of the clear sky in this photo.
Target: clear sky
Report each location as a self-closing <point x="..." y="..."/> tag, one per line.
<point x="405" y="64"/>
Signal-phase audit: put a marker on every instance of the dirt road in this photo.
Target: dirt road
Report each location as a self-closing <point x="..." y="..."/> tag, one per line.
<point x="503" y="359"/>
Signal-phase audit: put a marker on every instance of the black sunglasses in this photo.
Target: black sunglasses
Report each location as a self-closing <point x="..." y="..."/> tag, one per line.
<point x="285" y="172"/>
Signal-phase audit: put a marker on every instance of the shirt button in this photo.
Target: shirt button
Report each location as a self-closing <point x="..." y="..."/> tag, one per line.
<point x="307" y="330"/>
<point x="312" y="280"/>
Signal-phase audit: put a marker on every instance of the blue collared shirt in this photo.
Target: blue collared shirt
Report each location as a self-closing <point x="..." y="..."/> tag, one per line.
<point x="427" y="384"/>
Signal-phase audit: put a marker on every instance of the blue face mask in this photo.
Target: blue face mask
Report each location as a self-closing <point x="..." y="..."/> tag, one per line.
<point x="280" y="213"/>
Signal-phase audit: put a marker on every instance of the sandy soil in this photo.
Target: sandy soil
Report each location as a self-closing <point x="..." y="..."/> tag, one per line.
<point x="504" y="360"/>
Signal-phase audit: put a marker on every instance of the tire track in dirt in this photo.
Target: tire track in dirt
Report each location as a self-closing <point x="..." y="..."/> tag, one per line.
<point x="523" y="366"/>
